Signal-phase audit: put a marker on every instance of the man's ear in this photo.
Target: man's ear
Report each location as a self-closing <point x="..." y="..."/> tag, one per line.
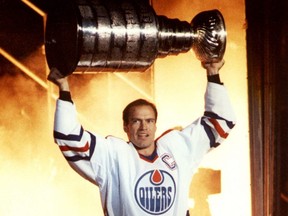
<point x="125" y="128"/>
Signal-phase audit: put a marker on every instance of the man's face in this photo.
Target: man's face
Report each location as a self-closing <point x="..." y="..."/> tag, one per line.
<point x="141" y="128"/>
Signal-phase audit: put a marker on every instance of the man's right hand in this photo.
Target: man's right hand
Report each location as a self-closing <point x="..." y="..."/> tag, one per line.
<point x="58" y="79"/>
<point x="213" y="67"/>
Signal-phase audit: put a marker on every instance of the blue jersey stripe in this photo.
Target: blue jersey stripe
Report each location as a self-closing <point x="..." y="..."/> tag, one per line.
<point x="91" y="151"/>
<point x="73" y="137"/>
<point x="230" y="124"/>
<point x="70" y="137"/>
<point x="209" y="133"/>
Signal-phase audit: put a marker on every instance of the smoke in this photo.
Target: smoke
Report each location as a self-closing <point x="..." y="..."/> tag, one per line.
<point x="34" y="175"/>
<point x="26" y="144"/>
<point x="35" y="178"/>
<point x="19" y="116"/>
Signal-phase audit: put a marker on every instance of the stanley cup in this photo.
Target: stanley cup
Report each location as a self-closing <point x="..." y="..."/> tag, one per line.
<point x="125" y="35"/>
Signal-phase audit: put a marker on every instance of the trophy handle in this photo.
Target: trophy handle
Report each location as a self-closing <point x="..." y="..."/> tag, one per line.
<point x="209" y="35"/>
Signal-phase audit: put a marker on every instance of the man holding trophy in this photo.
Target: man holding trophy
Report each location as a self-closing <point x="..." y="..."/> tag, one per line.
<point x="144" y="175"/>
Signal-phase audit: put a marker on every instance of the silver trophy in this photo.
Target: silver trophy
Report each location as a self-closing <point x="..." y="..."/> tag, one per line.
<point x="125" y="35"/>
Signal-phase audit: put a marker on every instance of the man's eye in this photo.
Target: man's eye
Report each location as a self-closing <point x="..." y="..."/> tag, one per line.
<point x="151" y="120"/>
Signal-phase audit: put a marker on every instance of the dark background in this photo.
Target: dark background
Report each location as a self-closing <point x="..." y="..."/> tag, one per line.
<point x="267" y="63"/>
<point x="16" y="16"/>
<point x="267" y="57"/>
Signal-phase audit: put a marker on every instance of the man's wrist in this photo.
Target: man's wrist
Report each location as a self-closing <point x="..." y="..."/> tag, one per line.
<point x="65" y="96"/>
<point x="214" y="78"/>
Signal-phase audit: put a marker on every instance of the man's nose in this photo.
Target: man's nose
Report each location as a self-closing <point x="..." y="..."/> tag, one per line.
<point x="143" y="125"/>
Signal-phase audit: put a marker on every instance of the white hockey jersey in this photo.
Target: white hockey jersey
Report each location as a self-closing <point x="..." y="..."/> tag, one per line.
<point x="132" y="185"/>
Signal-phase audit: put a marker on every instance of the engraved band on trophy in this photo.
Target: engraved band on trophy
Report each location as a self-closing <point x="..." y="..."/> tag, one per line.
<point x="125" y="35"/>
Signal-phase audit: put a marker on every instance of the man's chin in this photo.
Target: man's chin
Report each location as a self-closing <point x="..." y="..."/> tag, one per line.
<point x="141" y="145"/>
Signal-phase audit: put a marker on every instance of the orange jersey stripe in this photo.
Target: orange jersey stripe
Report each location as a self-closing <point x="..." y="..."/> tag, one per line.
<point x="78" y="149"/>
<point x="218" y="128"/>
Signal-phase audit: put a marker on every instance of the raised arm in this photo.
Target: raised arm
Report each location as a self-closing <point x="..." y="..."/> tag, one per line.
<point x="219" y="117"/>
<point x="76" y="144"/>
<point x="214" y="126"/>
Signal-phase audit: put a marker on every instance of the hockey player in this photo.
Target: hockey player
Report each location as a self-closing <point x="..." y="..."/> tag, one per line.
<point x="144" y="176"/>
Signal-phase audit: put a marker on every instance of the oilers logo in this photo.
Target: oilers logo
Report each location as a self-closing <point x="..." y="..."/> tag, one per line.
<point x="155" y="192"/>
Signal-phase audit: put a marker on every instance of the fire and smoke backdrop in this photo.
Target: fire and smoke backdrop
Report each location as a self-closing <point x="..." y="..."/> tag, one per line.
<point x="34" y="177"/>
<point x="32" y="171"/>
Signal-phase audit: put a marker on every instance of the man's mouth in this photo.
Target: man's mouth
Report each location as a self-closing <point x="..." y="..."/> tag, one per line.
<point x="143" y="135"/>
